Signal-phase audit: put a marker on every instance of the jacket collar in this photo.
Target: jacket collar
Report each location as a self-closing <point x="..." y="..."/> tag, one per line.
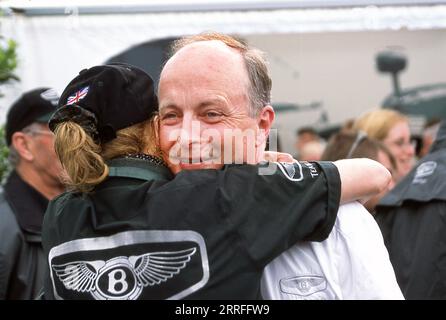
<point x="138" y="169"/>
<point x="27" y="203"/>
<point x="440" y="141"/>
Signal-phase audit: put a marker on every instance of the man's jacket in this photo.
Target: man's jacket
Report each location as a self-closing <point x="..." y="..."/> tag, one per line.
<point x="22" y="262"/>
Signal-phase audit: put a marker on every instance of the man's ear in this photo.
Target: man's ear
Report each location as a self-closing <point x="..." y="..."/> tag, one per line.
<point x="265" y="121"/>
<point x="20" y="142"/>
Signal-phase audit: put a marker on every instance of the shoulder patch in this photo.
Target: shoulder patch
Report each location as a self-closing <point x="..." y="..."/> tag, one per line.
<point x="424" y="170"/>
<point x="292" y="171"/>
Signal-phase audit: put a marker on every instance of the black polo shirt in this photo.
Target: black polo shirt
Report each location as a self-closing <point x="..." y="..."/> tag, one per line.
<point x="206" y="234"/>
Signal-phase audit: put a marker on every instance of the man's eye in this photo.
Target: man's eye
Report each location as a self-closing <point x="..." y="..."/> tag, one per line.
<point x="212" y="114"/>
<point x="170" y="115"/>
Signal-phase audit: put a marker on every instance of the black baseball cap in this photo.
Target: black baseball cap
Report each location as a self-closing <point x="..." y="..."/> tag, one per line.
<point x="33" y="106"/>
<point x="119" y="95"/>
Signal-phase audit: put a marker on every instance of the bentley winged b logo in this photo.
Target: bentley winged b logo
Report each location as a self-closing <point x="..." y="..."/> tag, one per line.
<point x="174" y="265"/>
<point x="145" y="270"/>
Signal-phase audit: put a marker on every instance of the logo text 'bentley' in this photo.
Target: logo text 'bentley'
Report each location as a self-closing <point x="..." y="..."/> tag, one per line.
<point x="122" y="277"/>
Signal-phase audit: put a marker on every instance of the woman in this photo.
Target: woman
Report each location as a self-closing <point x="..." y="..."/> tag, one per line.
<point x="350" y="145"/>
<point x="127" y="231"/>
<point x="392" y="129"/>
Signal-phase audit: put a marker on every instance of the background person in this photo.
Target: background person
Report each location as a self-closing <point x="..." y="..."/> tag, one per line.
<point x="350" y="145"/>
<point x="312" y="151"/>
<point x="413" y="224"/>
<point x="429" y="134"/>
<point x="35" y="179"/>
<point x="392" y="129"/>
<point x="304" y="136"/>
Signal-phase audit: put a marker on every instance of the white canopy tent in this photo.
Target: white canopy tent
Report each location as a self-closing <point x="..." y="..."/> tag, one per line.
<point x="53" y="48"/>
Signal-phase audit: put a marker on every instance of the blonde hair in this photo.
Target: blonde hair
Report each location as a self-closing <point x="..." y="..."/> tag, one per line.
<point x="378" y="123"/>
<point x="84" y="160"/>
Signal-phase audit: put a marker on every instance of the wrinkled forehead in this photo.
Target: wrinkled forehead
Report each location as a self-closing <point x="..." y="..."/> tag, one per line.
<point x="214" y="50"/>
<point x="211" y="59"/>
<point x="203" y="71"/>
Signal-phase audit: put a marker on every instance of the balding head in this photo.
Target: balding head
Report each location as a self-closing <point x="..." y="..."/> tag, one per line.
<point x="253" y="62"/>
<point x="208" y="99"/>
<point x="207" y="65"/>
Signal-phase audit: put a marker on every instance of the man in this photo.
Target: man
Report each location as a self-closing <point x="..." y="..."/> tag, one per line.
<point x="413" y="224"/>
<point x="209" y="92"/>
<point x="312" y="151"/>
<point x="214" y="89"/>
<point x="35" y="180"/>
<point x="353" y="262"/>
<point x="429" y="134"/>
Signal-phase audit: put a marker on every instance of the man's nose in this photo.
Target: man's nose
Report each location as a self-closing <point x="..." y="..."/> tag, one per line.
<point x="190" y="130"/>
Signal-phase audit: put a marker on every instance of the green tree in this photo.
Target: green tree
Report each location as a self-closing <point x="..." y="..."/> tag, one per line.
<point x="8" y="60"/>
<point x="8" y="63"/>
<point x="5" y="167"/>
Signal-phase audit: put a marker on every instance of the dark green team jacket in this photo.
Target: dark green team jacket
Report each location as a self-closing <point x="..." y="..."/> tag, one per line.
<point x="205" y="234"/>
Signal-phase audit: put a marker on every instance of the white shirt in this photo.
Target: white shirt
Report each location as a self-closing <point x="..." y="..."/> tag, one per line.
<point x="352" y="263"/>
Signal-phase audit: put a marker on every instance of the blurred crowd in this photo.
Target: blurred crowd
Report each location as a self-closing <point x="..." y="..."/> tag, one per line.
<point x="410" y="213"/>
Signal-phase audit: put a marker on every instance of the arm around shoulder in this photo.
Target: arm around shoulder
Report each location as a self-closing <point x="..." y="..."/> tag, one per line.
<point x="361" y="179"/>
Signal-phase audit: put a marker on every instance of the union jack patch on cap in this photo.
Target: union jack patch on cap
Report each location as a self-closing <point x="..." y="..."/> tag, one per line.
<point x="77" y="96"/>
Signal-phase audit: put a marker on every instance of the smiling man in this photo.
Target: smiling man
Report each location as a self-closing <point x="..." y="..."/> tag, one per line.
<point x="203" y="99"/>
<point x="215" y="110"/>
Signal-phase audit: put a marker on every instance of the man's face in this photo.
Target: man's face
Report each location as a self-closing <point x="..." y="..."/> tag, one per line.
<point x="205" y="117"/>
<point x="45" y="161"/>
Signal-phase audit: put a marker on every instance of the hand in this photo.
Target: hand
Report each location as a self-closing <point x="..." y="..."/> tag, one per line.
<point x="274" y="156"/>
